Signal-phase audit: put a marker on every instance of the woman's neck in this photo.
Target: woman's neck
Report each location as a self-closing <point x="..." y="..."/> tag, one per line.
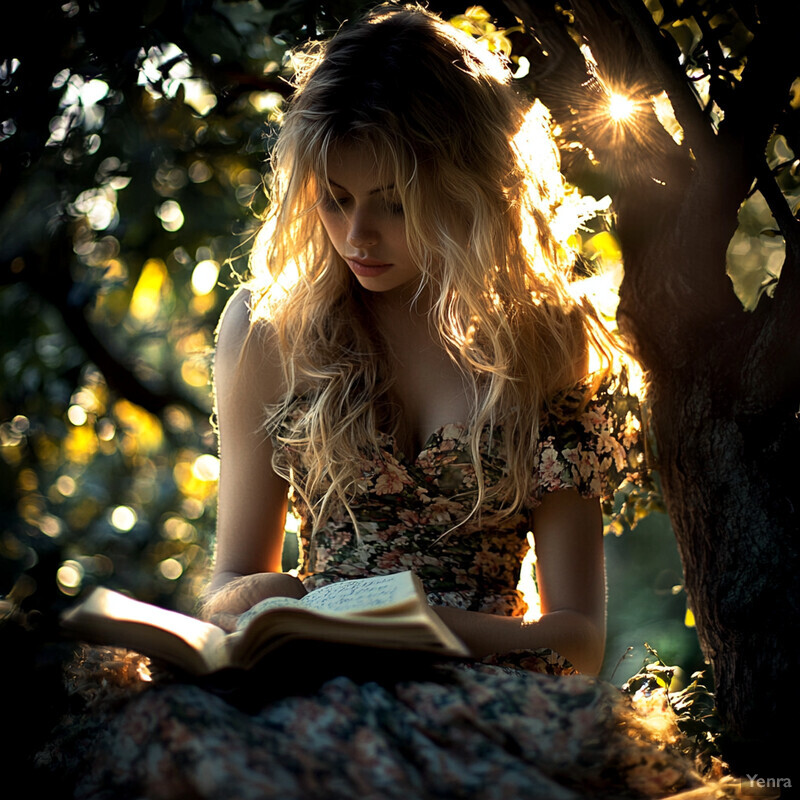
<point x="402" y="317"/>
<point x="428" y="389"/>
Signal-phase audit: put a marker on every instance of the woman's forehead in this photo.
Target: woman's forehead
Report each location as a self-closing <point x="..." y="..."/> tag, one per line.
<point x="358" y="160"/>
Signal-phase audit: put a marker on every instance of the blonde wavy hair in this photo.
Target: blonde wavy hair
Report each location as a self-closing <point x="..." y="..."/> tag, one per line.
<point x="476" y="171"/>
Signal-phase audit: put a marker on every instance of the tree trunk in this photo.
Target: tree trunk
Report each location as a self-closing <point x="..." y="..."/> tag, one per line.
<point x="724" y="383"/>
<point x="730" y="483"/>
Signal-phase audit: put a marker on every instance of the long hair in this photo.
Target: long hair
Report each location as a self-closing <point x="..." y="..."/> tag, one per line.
<point x="476" y="171"/>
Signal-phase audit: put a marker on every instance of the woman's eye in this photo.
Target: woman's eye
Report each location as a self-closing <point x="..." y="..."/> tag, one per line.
<point x="395" y="207"/>
<point x="331" y="203"/>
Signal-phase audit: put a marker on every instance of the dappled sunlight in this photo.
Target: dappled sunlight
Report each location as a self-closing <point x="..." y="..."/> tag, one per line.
<point x="99" y="673"/>
<point x="80" y="444"/>
<point x="136" y="210"/>
<point x="140" y="431"/>
<point x="665" y="114"/>
<point x="166" y="70"/>
<point x="621" y="112"/>
<point x="99" y="207"/>
<point x="80" y="106"/>
<point x="171" y="215"/>
<point x="123" y="518"/>
<point x="656" y="715"/>
<point x="101" y="438"/>
<point x="601" y="290"/>
<point x="757" y="250"/>
<point x="196" y="475"/>
<point x="70" y="577"/>
<point x="171" y="568"/>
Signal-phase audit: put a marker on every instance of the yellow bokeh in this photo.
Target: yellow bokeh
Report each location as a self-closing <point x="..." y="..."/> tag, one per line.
<point x="202" y="304"/>
<point x="195" y="374"/>
<point x="28" y="480"/>
<point x="144" y="427"/>
<point x="196" y="343"/>
<point x="795" y="94"/>
<point x="80" y="444"/>
<point x="149" y="290"/>
<point x="195" y="370"/>
<point x="196" y="475"/>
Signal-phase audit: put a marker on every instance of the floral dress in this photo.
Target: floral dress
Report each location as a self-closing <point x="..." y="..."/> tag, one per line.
<point x="518" y="725"/>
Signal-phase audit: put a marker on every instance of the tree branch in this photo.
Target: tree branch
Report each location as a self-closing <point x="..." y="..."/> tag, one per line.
<point x="662" y="57"/>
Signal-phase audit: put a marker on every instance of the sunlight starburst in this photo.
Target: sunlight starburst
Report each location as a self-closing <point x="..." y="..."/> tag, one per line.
<point x="620" y="107"/>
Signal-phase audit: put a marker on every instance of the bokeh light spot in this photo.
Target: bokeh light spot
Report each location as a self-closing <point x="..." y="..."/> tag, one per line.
<point x="70" y="577"/>
<point x="205" y="276"/>
<point x="123" y="518"/>
<point x="171" y="215"/>
<point x="77" y="415"/>
<point x="206" y="467"/>
<point x="171" y="568"/>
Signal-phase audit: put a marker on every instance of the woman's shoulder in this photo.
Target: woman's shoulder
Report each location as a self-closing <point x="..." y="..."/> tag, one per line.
<point x="239" y="321"/>
<point x="247" y="347"/>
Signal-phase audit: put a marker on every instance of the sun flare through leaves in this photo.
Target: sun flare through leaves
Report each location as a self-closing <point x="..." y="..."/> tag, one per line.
<point x="620" y="107"/>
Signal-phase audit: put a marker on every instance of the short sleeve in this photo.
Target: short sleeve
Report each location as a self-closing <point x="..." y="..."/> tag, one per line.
<point x="591" y="442"/>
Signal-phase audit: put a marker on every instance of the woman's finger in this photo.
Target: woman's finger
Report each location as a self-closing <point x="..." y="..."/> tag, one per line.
<point x="225" y="621"/>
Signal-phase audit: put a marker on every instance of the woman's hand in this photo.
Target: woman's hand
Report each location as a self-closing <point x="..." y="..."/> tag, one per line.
<point x="238" y="593"/>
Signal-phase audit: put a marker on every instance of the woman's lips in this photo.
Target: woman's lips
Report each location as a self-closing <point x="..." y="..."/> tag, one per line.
<point x="367" y="267"/>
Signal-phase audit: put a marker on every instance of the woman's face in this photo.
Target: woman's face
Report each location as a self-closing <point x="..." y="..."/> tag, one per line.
<point x="364" y="220"/>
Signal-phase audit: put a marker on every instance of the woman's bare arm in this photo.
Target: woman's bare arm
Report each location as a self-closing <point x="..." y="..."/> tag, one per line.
<point x="571" y="577"/>
<point x="252" y="497"/>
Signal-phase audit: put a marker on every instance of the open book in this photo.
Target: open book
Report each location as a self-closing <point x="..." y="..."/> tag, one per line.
<point x="388" y="612"/>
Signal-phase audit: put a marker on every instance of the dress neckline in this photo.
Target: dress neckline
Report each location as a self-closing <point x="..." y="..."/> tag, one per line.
<point x="453" y="431"/>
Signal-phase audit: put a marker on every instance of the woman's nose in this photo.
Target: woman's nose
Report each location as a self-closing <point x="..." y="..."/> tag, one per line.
<point x="361" y="232"/>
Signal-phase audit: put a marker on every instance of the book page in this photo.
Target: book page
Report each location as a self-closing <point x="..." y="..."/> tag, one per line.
<point x="363" y="594"/>
<point x="114" y="618"/>
<point x="267" y="604"/>
<point x="384" y="611"/>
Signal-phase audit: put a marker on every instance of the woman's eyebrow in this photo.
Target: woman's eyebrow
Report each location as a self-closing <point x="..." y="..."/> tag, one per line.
<point x="377" y="190"/>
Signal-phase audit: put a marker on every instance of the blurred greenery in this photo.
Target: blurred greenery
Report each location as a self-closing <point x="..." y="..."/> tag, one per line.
<point x="647" y="604"/>
<point x="133" y="144"/>
<point x="129" y="197"/>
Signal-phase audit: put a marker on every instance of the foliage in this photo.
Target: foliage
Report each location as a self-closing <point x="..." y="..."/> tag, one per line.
<point x="692" y="707"/>
<point x="130" y="188"/>
<point x="710" y="92"/>
<point x="626" y="112"/>
<point x="713" y="38"/>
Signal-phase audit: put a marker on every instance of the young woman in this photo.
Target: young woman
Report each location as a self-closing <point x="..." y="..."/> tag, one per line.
<point x="430" y="316"/>
<point x="408" y="363"/>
